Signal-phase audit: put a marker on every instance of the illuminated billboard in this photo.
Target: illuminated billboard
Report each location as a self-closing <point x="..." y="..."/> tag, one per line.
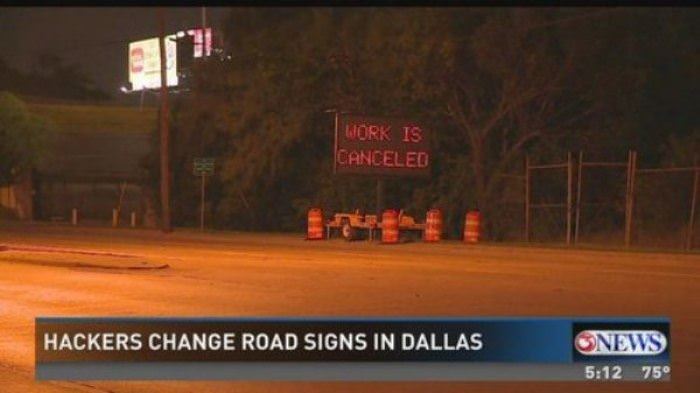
<point x="144" y="58"/>
<point x="144" y="63"/>
<point x="197" y="39"/>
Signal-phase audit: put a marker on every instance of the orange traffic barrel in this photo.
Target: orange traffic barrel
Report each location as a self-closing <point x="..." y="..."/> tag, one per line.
<point x="433" y="226"/>
<point x="390" y="226"/>
<point x="315" y="224"/>
<point x="471" y="227"/>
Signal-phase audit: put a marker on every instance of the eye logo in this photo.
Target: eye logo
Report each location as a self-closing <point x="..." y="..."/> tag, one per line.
<point x="620" y="342"/>
<point x="585" y="342"/>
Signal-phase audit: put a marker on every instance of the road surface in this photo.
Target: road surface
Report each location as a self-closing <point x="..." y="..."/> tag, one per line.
<point x="240" y="274"/>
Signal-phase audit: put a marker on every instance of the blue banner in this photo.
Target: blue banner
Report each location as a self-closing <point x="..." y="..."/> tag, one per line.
<point x="500" y="340"/>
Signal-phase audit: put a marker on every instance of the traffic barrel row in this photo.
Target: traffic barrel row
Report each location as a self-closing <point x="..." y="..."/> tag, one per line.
<point x="390" y="226"/>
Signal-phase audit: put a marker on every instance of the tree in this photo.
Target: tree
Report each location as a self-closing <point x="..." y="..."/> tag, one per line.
<point x="21" y="138"/>
<point x="507" y="87"/>
<point x="61" y="79"/>
<point x="491" y="84"/>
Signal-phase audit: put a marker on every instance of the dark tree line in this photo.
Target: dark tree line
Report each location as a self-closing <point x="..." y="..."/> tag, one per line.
<point x="50" y="77"/>
<point x="492" y="84"/>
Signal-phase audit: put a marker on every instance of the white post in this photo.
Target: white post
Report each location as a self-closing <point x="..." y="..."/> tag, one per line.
<point x="201" y="211"/>
<point x="74" y="217"/>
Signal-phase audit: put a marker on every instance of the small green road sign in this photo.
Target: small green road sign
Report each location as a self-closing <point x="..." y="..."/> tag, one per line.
<point x="203" y="166"/>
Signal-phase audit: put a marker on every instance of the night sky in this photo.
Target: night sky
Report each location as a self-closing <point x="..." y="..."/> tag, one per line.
<point x="94" y="38"/>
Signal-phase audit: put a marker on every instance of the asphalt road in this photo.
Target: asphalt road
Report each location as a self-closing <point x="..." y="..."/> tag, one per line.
<point x="239" y="274"/>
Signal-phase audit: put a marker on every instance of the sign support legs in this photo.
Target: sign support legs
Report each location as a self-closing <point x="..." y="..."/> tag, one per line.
<point x="380" y="198"/>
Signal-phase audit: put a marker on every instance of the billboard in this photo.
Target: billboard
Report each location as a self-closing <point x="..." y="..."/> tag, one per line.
<point x="144" y="58"/>
<point x="144" y="63"/>
<point x="367" y="145"/>
<point x="198" y="38"/>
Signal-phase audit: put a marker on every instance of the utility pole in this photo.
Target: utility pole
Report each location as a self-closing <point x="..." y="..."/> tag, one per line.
<point x="203" y="41"/>
<point x="203" y="47"/>
<point x="204" y="28"/>
<point x="164" y="132"/>
<point x="629" y="211"/>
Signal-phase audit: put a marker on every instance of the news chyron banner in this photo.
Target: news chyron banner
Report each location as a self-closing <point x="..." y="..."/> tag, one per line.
<point x="354" y="349"/>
